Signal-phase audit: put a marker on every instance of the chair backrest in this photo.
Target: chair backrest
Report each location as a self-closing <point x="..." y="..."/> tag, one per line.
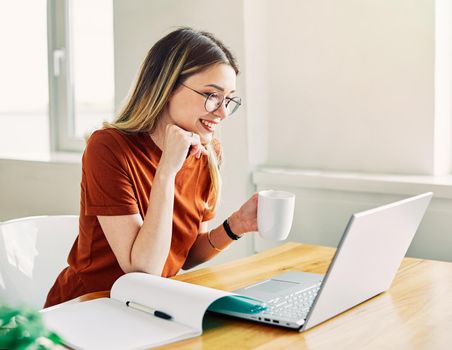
<point x="33" y="251"/>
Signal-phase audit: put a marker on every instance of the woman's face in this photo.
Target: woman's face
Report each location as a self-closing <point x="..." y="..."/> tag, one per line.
<point x="186" y="107"/>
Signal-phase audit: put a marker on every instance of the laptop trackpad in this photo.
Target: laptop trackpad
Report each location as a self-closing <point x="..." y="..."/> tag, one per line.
<point x="272" y="286"/>
<point x="282" y="284"/>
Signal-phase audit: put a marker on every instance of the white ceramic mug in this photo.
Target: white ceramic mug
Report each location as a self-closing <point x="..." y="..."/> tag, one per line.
<point x="275" y="214"/>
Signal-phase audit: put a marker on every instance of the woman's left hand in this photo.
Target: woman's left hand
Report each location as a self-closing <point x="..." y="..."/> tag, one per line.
<point x="245" y="219"/>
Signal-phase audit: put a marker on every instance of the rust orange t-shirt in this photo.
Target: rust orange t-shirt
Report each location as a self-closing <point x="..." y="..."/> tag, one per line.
<point x="117" y="174"/>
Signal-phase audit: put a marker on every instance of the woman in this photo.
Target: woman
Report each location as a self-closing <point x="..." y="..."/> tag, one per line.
<point x="150" y="180"/>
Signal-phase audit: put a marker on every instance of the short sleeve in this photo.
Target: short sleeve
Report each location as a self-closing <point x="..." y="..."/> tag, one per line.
<point x="108" y="188"/>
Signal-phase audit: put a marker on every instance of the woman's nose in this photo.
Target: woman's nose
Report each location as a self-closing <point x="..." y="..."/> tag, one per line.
<point x="222" y="111"/>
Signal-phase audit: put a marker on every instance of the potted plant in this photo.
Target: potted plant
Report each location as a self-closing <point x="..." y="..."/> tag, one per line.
<point x="22" y="328"/>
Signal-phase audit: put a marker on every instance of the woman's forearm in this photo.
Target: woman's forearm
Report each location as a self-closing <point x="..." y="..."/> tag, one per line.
<point x="203" y="250"/>
<point x="152" y="244"/>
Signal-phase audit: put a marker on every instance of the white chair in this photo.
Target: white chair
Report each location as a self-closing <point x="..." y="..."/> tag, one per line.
<point x="33" y="251"/>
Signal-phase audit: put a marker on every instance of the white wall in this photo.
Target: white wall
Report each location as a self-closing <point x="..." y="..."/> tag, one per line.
<point x="29" y="188"/>
<point x="358" y="86"/>
<point x="351" y="83"/>
<point x="443" y="86"/>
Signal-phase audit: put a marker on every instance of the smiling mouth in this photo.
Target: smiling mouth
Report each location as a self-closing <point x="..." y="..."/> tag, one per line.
<point x="209" y="126"/>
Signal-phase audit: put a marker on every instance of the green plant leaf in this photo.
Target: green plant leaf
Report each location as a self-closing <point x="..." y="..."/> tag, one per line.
<point x="21" y="328"/>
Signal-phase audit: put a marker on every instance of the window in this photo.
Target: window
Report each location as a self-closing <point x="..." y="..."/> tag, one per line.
<point x="56" y="73"/>
<point x="82" y="83"/>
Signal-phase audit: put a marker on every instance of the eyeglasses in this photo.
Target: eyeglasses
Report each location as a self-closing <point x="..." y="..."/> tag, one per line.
<point x="214" y="101"/>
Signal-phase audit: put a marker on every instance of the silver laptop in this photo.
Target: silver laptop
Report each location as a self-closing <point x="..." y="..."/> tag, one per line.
<point x="366" y="261"/>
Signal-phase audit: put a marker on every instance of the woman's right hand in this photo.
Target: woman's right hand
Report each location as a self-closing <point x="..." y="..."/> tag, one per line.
<point x="244" y="220"/>
<point x="176" y="144"/>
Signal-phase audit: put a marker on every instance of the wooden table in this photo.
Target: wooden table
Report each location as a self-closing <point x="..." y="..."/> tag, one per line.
<point x="416" y="313"/>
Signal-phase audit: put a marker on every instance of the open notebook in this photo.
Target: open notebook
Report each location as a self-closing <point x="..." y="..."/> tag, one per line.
<point x="109" y="323"/>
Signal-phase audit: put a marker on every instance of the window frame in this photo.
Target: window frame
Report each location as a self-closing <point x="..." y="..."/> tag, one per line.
<point x="61" y="95"/>
<point x="61" y="79"/>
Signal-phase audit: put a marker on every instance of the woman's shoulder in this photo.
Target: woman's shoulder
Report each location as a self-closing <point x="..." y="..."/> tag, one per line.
<point x="105" y="144"/>
<point x="104" y="136"/>
<point x="110" y="138"/>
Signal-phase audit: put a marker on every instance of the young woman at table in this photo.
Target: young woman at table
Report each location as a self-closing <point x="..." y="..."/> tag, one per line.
<point x="150" y="180"/>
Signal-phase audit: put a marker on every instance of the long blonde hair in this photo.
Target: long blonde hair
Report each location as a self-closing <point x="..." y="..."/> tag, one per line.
<point x="169" y="63"/>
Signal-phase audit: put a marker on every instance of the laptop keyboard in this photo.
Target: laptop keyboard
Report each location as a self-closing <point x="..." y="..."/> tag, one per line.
<point x="294" y="306"/>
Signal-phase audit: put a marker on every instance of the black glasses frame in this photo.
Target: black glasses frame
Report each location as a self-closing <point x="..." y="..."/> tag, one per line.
<point x="237" y="100"/>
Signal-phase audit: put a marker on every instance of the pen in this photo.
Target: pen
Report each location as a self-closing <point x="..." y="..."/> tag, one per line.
<point x="149" y="310"/>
